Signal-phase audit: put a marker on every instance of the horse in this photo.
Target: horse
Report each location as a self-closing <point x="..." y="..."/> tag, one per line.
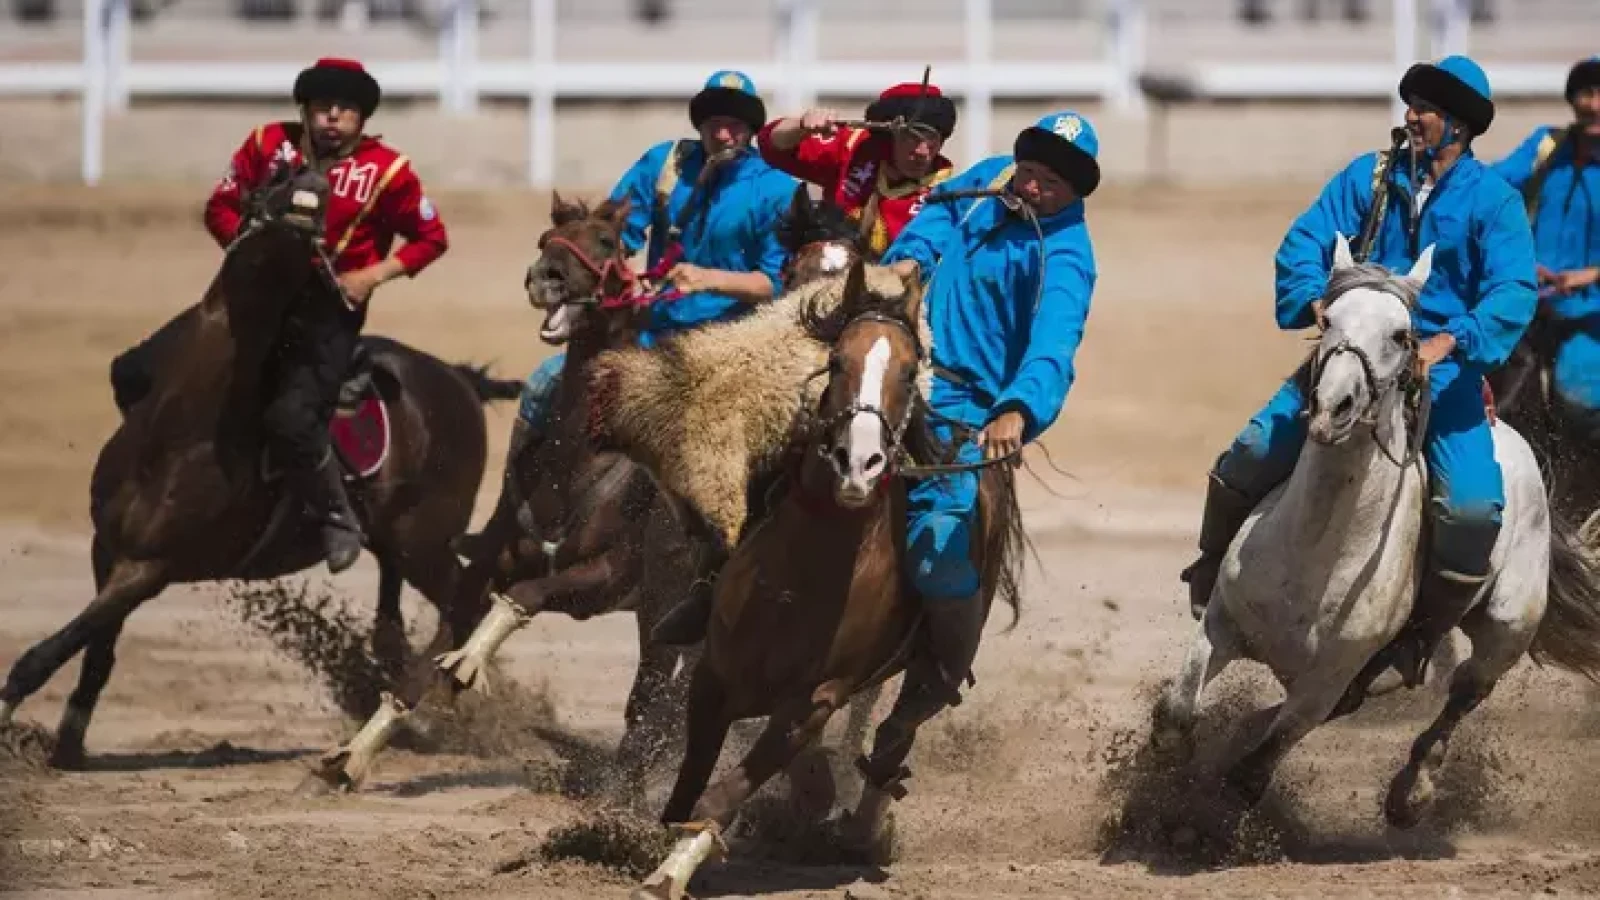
<point x="604" y="513"/>
<point x="810" y="609"/>
<point x="1322" y="575"/>
<point x="180" y="492"/>
<point x="577" y="530"/>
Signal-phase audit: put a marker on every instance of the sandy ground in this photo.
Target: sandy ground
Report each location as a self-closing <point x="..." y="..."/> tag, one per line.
<point x="206" y="729"/>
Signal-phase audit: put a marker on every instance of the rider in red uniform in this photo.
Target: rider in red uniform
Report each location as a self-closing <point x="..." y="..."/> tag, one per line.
<point x="374" y="195"/>
<point x="880" y="179"/>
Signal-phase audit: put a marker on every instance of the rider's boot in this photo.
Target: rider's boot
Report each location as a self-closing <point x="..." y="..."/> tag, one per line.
<point x="322" y="490"/>
<point x="1225" y="513"/>
<point x="1442" y="600"/>
<point x="954" y="629"/>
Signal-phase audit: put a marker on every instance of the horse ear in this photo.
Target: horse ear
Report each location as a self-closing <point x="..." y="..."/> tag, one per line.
<point x="1424" y="267"/>
<point x="855" y="283"/>
<point x="615" y="212"/>
<point x="1342" y="257"/>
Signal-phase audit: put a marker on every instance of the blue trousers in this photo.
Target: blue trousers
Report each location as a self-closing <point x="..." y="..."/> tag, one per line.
<point x="942" y="514"/>
<point x="1467" y="492"/>
<point x="540" y="390"/>
<point x="1576" y="377"/>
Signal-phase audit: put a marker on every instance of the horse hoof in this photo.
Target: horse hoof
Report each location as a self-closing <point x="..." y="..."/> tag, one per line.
<point x="68" y="757"/>
<point x="1410" y="796"/>
<point x="812" y="790"/>
<point x="315" y="785"/>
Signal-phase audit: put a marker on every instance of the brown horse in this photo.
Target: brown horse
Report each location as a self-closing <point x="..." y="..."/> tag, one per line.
<point x="811" y="608"/>
<point x="178" y="492"/>
<point x="1524" y="397"/>
<point x="577" y="530"/>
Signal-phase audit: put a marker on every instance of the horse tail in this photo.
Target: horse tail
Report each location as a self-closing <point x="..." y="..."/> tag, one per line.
<point x="1569" y="633"/>
<point x="1005" y="540"/>
<point x="487" y="387"/>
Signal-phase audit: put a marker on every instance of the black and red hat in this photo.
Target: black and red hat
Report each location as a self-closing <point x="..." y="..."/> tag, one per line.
<point x="933" y="109"/>
<point x="344" y="80"/>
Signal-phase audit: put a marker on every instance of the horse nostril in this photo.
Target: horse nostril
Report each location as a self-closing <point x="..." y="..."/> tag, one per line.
<point x="1344" y="406"/>
<point x="841" y="460"/>
<point x="874" y="463"/>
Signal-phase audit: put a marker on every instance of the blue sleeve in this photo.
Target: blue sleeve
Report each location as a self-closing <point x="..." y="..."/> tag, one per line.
<point x="638" y="186"/>
<point x="1306" y="253"/>
<point x="768" y="256"/>
<point x="1039" y="388"/>
<point x="1517" y="168"/>
<point x="933" y="227"/>
<point x="1508" y="291"/>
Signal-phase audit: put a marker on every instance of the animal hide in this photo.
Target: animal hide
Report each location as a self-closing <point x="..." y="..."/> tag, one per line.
<point x="708" y="410"/>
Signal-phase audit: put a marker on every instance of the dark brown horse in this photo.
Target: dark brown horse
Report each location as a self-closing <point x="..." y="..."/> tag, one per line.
<point x="178" y="492"/>
<point x="811" y="608"/>
<point x="577" y="530"/>
<point x="1525" y="398"/>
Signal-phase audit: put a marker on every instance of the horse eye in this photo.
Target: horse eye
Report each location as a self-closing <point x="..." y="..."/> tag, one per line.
<point x="1401" y="337"/>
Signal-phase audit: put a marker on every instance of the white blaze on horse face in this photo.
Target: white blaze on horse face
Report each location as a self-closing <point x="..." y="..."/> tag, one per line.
<point x="865" y="454"/>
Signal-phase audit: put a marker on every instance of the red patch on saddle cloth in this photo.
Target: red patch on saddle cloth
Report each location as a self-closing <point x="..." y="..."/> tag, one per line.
<point x="1488" y="402"/>
<point x="361" y="436"/>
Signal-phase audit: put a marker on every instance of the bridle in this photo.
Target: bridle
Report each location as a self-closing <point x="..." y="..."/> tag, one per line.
<point x="895" y="446"/>
<point x="1405" y="378"/>
<point x="632" y="293"/>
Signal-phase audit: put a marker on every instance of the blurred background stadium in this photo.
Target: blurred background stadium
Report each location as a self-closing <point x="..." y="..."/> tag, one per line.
<point x="1192" y="89"/>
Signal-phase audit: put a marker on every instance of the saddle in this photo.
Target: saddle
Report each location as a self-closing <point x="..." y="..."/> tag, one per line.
<point x="359" y="431"/>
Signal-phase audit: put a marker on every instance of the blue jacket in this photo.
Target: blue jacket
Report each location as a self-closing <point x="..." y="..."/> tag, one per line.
<point x="735" y="229"/>
<point x="1566" y="227"/>
<point x="1482" y="290"/>
<point x="983" y="268"/>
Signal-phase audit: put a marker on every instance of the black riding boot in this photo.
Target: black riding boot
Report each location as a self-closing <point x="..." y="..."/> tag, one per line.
<point x="954" y="628"/>
<point x="1442" y="600"/>
<point x="1226" y="510"/>
<point x="322" y="490"/>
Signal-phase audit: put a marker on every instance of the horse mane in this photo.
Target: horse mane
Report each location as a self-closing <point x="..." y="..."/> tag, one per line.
<point x="1374" y="277"/>
<point x="821" y="221"/>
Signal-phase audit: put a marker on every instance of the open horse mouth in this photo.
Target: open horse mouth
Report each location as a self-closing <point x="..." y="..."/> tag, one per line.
<point x="557" y="327"/>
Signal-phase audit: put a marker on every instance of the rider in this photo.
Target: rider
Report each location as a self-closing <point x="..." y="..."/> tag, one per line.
<point x="1558" y="172"/>
<point x="374" y="196"/>
<point x="1469" y="317"/>
<point x="1006" y="305"/>
<point x="718" y="221"/>
<point x="879" y="179"/>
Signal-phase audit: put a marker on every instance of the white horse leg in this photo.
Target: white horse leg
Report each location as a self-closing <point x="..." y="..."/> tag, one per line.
<point x="1497" y="644"/>
<point x="1176" y="712"/>
<point x="1311" y="698"/>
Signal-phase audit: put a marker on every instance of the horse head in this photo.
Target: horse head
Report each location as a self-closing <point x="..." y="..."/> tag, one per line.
<point x="1368" y="349"/>
<point x="819" y="238"/>
<point x="867" y="407"/>
<point x="294" y="199"/>
<point x="274" y="259"/>
<point x="582" y="263"/>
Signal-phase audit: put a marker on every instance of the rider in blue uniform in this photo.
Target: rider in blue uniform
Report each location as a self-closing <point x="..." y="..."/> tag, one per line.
<point x="1558" y="172"/>
<point x="722" y="223"/>
<point x="1007" y="313"/>
<point x="1470" y="315"/>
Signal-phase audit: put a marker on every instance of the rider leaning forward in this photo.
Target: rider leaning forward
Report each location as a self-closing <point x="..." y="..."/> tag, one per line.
<point x="1470" y="315"/>
<point x="878" y="177"/>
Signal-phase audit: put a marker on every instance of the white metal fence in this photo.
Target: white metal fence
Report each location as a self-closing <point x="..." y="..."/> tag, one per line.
<point x="1062" y="49"/>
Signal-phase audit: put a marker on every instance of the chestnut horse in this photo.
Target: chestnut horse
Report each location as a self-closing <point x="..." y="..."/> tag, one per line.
<point x="811" y="608"/>
<point x="576" y="531"/>
<point x="178" y="493"/>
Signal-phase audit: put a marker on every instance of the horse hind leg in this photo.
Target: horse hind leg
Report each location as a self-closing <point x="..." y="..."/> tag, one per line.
<point x="122" y="588"/>
<point x="1497" y="644"/>
<point x="389" y="642"/>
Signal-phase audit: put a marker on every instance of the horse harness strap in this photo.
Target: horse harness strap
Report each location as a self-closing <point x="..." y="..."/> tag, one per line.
<point x="1417" y="389"/>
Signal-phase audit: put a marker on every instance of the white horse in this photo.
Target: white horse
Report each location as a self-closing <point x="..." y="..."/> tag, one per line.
<point x="1323" y="573"/>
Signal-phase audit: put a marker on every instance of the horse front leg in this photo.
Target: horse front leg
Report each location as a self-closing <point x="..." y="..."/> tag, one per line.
<point x="789" y="730"/>
<point x="1311" y="698"/>
<point x="1177" y="711"/>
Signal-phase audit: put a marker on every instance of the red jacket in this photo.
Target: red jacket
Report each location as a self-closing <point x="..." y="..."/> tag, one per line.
<point x="849" y="166"/>
<point x="375" y="195"/>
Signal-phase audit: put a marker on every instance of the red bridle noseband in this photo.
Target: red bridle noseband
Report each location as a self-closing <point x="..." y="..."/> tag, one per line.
<point x="631" y="292"/>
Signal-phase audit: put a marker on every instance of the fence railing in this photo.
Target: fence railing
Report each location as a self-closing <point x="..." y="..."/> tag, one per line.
<point x="106" y="77"/>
